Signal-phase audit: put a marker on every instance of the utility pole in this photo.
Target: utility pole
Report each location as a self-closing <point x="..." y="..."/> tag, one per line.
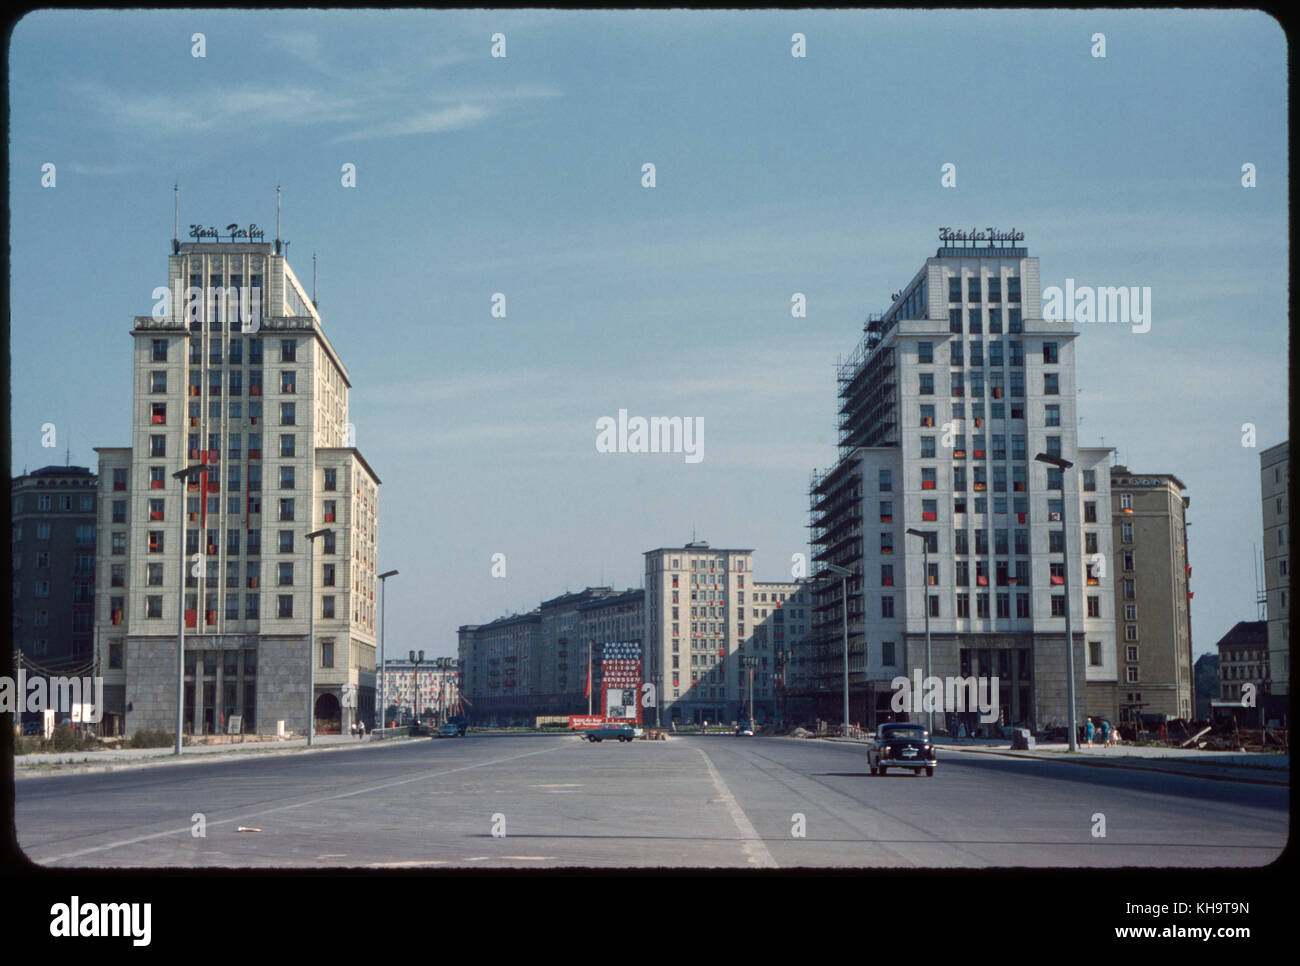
<point x="844" y="602"/>
<point x="1063" y="465"/>
<point x="925" y="601"/>
<point x="182" y="477"/>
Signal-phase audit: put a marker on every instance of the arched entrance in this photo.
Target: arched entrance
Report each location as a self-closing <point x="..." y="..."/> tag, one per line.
<point x="329" y="719"/>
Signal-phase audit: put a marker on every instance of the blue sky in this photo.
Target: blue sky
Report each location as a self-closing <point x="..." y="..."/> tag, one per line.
<point x="775" y="175"/>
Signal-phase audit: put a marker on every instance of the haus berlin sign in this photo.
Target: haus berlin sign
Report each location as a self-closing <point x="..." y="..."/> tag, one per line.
<point x="974" y="235"/>
<point x="233" y="232"/>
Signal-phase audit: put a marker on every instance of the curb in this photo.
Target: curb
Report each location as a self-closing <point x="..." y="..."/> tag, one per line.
<point x="56" y="769"/>
<point x="1283" y="779"/>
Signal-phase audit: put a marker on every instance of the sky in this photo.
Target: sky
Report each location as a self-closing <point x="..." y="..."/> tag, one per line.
<point x="774" y="175"/>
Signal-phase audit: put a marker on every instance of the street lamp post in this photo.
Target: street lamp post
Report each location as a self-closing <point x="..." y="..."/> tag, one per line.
<point x="383" y="627"/>
<point x="1064" y="465"/>
<point x="845" y="574"/>
<point x="750" y="661"/>
<point x="182" y="476"/>
<point x="416" y="658"/>
<point x="311" y="634"/>
<point x="443" y="666"/>
<point x="925" y="603"/>
<point x="778" y="682"/>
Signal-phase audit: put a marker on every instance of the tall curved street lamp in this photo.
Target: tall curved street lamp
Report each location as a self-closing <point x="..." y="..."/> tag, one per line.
<point x="311" y="635"/>
<point x="183" y="476"/>
<point x="383" y="627"/>
<point x="845" y="574"/>
<point x="925" y="604"/>
<point x="1064" y="465"/>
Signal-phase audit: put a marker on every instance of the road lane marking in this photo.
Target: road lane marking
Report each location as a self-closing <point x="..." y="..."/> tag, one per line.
<point x="751" y="840"/>
<point x="280" y="808"/>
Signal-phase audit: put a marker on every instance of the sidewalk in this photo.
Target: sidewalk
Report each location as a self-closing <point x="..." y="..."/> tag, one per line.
<point x="1250" y="767"/>
<point x="82" y="762"/>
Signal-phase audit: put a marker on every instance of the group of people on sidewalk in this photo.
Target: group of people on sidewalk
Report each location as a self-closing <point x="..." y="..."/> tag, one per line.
<point x="358" y="729"/>
<point x="1102" y="731"/>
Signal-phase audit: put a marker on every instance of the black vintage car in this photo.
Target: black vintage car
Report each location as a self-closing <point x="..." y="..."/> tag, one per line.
<point x="901" y="745"/>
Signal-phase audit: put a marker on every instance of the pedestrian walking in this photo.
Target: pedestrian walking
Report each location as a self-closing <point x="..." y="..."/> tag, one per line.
<point x="1114" y="736"/>
<point x="1105" y="732"/>
<point x="1088" y="732"/>
<point x="353" y="728"/>
<point x="361" y="729"/>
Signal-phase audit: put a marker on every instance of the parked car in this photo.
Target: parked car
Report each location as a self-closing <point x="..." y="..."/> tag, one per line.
<point x="901" y="745"/>
<point x="745" y="729"/>
<point x="460" y="721"/>
<point x="449" y="730"/>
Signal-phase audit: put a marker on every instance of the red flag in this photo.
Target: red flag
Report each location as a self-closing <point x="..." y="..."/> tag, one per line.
<point x="587" y="693"/>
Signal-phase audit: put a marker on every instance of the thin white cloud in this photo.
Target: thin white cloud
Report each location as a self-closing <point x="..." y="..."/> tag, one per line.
<point x="214" y="108"/>
<point x="389" y="110"/>
<point x="303" y="47"/>
<point x="428" y="122"/>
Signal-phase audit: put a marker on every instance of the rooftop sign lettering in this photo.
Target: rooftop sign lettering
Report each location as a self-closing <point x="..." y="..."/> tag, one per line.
<point x="233" y="233"/>
<point x="989" y="235"/>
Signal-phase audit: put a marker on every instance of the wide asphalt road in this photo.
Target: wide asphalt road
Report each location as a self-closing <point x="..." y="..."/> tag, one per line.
<point x="557" y="801"/>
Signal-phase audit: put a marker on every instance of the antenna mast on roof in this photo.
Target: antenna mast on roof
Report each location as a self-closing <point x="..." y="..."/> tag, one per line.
<point x="277" y="219"/>
<point x="176" y="219"/>
<point x="313" y="281"/>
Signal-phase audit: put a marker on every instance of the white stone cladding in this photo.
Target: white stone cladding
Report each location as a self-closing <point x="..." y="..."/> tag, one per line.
<point x="265" y="402"/>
